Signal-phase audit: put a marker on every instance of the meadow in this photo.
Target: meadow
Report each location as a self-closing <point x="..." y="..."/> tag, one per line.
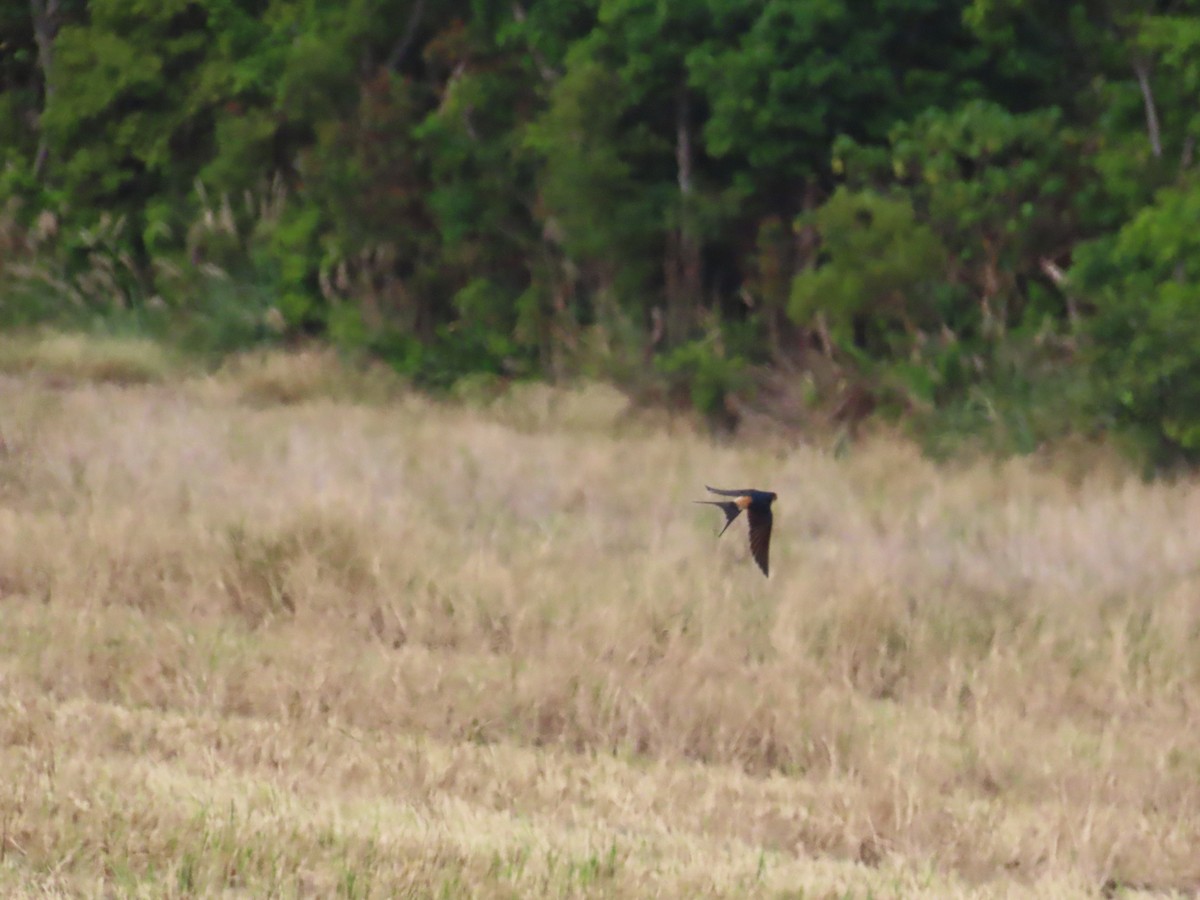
<point x="287" y="629"/>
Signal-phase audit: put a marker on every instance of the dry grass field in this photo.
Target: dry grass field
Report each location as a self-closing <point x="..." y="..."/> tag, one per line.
<point x="287" y="630"/>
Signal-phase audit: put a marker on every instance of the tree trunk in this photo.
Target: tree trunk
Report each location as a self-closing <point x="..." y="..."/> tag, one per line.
<point x="807" y="246"/>
<point x="684" y="266"/>
<point x="45" y="15"/>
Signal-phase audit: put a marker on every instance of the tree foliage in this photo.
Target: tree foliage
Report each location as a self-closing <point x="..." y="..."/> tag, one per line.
<point x="1145" y="281"/>
<point x="904" y="192"/>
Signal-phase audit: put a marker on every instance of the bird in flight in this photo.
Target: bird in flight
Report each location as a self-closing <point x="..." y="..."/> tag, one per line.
<point x="758" y="507"/>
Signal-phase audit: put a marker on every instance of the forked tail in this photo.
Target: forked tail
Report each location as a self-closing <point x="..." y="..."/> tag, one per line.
<point x="731" y="510"/>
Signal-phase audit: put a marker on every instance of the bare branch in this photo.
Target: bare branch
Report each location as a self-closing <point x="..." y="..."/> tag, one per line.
<point x="657" y="329"/>
<point x="1142" y="70"/>
<point x="1053" y="271"/>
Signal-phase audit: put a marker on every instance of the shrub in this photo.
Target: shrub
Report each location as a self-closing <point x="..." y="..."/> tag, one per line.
<point x="701" y="371"/>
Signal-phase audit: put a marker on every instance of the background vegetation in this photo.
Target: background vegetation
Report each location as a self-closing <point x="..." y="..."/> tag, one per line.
<point x="978" y="215"/>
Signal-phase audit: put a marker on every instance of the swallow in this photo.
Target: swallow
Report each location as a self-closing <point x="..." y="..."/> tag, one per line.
<point x="758" y="505"/>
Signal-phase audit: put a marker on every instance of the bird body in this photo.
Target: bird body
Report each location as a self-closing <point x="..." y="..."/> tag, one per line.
<point x="757" y="505"/>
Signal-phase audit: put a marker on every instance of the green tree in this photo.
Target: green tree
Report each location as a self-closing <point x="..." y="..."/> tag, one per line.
<point x="783" y="82"/>
<point x="1000" y="191"/>
<point x="1144" y="283"/>
<point x="873" y="291"/>
<point x="590" y="199"/>
<point x="795" y="76"/>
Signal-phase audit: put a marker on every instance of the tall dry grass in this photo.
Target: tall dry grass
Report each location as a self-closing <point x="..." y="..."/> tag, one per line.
<point x="399" y="648"/>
